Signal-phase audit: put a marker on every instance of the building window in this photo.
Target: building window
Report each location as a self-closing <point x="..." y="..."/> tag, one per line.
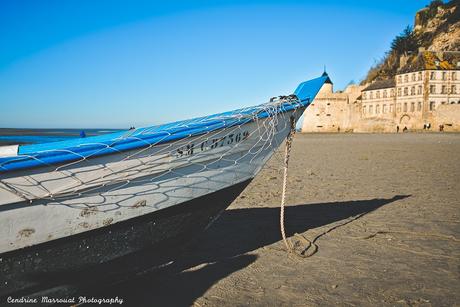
<point x="377" y="109"/>
<point x="432" y="75"/>
<point x="406" y="78"/>
<point x="443" y="89"/>
<point x="364" y="95"/>
<point x="405" y="107"/>
<point x="432" y="105"/>
<point x="412" y="90"/>
<point x="419" y="90"/>
<point x="453" y="89"/>
<point x="454" y="76"/>
<point x="419" y="106"/>
<point x="371" y="109"/>
<point x="384" y="109"/>
<point x="419" y="76"/>
<point x="377" y="95"/>
<point x="398" y="107"/>
<point x="399" y="79"/>
<point x="412" y="106"/>
<point x="391" y="108"/>
<point x="384" y="93"/>
<point x="364" y="109"/>
<point x="399" y="91"/>
<point x="406" y="91"/>
<point x="413" y="77"/>
<point x="444" y="75"/>
<point x="432" y="89"/>
<point x="392" y="92"/>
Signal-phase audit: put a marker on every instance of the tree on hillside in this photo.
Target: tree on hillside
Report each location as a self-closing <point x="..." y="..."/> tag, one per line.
<point x="435" y="3"/>
<point x="405" y="42"/>
<point x="433" y="7"/>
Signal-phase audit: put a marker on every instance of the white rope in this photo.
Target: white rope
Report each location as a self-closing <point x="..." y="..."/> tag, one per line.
<point x="287" y="152"/>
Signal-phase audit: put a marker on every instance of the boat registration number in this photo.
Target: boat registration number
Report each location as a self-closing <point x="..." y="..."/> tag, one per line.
<point x="209" y="144"/>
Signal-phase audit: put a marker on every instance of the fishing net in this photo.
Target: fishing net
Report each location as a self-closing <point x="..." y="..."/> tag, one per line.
<point x="86" y="183"/>
<point x="200" y="150"/>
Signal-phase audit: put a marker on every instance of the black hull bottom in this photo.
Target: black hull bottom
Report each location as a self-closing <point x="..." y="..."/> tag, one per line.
<point x="80" y="262"/>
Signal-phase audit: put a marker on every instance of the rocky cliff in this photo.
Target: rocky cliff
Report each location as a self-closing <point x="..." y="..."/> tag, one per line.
<point x="436" y="28"/>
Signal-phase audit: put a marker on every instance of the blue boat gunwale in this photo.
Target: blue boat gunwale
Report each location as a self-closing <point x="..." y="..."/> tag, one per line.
<point x="61" y="152"/>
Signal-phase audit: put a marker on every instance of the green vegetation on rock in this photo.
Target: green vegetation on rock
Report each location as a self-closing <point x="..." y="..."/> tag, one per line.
<point x="433" y="24"/>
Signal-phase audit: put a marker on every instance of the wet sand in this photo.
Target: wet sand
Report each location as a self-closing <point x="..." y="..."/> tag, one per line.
<point x="382" y="209"/>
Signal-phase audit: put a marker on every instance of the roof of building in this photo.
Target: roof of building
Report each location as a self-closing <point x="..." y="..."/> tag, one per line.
<point x="380" y="84"/>
<point x="328" y="80"/>
<point x="430" y="60"/>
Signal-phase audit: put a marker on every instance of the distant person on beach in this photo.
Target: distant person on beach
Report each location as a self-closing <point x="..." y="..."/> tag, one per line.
<point x="82" y="134"/>
<point x="397" y="129"/>
<point x="405" y="129"/>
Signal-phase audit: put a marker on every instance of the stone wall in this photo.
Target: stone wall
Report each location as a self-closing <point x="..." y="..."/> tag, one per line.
<point x="449" y="116"/>
<point x="429" y="97"/>
<point x="332" y="112"/>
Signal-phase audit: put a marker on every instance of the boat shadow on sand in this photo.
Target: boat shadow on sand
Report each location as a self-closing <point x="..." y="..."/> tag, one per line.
<point x="221" y="250"/>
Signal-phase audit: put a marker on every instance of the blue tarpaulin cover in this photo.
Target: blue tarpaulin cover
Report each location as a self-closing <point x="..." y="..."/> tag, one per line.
<point x="76" y="149"/>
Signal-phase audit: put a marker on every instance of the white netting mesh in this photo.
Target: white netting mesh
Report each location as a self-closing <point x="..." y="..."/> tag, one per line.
<point x="229" y="154"/>
<point x="109" y="181"/>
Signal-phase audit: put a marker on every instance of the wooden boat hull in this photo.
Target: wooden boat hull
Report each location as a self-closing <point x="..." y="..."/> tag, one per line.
<point x="82" y="261"/>
<point x="150" y="217"/>
<point x="144" y="183"/>
<point x="84" y="211"/>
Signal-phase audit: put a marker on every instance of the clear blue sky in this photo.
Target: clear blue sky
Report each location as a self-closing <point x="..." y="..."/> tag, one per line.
<point x="109" y="63"/>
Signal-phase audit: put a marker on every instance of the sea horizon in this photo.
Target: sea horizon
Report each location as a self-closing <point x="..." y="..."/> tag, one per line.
<point x="21" y="136"/>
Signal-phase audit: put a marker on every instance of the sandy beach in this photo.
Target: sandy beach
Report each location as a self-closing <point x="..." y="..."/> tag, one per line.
<point x="382" y="209"/>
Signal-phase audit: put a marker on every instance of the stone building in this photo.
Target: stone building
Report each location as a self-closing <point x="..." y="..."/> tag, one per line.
<point x="332" y="111"/>
<point x="425" y="93"/>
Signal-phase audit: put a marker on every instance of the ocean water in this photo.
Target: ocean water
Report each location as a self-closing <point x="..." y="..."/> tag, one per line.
<point x="34" y="136"/>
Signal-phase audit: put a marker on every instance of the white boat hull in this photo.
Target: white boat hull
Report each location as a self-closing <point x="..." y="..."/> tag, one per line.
<point x="98" y="192"/>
